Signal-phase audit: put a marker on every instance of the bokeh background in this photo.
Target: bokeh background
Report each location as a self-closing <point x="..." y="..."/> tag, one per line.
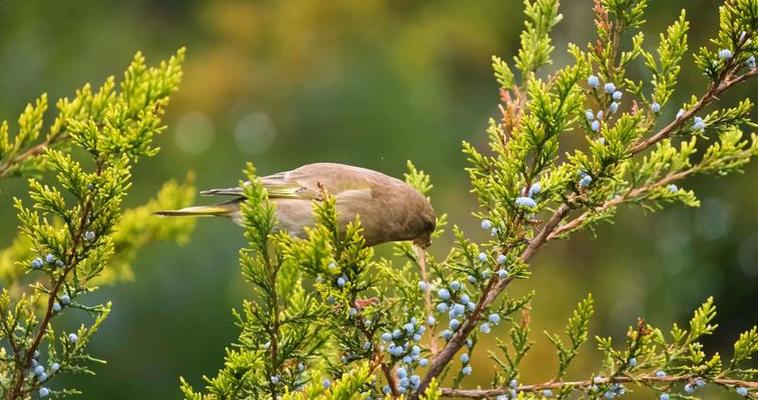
<point x="372" y="83"/>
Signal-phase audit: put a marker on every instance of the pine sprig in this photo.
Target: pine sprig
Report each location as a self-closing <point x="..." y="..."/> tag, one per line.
<point x="68" y="231"/>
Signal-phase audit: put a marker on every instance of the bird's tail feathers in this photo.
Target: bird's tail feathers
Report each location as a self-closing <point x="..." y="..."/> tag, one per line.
<point x="218" y="210"/>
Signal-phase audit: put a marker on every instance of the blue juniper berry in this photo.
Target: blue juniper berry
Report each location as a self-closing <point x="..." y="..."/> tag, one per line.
<point x="698" y="124"/>
<point x="527" y="202"/>
<point x="689" y="388"/>
<point x="750" y="62"/>
<point x="593" y="81"/>
<point x="535" y="189"/>
<point x="585" y="181"/>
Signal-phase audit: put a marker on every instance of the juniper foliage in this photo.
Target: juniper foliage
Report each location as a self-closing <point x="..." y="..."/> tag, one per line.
<point x="363" y="327"/>
<point x="73" y="229"/>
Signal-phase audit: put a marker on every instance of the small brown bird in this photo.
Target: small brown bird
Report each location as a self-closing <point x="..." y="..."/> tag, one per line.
<point x="390" y="210"/>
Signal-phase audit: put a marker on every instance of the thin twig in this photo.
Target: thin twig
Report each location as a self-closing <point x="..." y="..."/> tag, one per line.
<point x="421" y="258"/>
<point x="648" y="379"/>
<point x="377" y="357"/>
<point x="7" y="166"/>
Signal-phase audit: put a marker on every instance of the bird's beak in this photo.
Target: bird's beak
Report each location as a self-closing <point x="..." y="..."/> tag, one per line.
<point x="423" y="242"/>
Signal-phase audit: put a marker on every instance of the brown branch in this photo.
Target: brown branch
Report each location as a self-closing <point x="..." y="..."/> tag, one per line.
<point x="713" y="92"/>
<point x="578" y="221"/>
<point x="391" y="381"/>
<point x="648" y="379"/>
<point x="377" y="358"/>
<point x="7" y="166"/>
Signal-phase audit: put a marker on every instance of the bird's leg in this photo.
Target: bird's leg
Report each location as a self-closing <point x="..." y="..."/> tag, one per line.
<point x="421" y="259"/>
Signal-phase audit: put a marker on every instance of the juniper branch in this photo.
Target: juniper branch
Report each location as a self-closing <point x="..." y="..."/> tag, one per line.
<point x="587" y="384"/>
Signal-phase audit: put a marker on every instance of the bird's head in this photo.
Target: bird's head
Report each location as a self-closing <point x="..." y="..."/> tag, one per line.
<point x="428" y="224"/>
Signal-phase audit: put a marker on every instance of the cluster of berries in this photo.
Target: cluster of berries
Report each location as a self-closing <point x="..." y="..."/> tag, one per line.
<point x="401" y="343"/>
<point x="455" y="309"/>
<point x="584" y="179"/>
<point x="63" y="301"/>
<point x="616" y="389"/>
<point x="341" y="280"/>
<point x="462" y="305"/>
<point x="529" y="201"/>
<point x="405" y="382"/>
<point x="610" y="89"/>
<point x="41" y="373"/>
<point x="487" y="226"/>
<point x="39" y="263"/>
<point x="697" y="123"/>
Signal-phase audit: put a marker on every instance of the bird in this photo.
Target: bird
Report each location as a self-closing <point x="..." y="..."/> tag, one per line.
<point x="390" y="210"/>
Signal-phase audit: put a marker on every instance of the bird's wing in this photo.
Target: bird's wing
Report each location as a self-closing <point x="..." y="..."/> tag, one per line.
<point x="276" y="188"/>
<point x="306" y="182"/>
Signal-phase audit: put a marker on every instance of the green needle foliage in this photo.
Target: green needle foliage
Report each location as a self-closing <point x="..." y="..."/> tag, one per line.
<point x="330" y="321"/>
<point x="73" y="228"/>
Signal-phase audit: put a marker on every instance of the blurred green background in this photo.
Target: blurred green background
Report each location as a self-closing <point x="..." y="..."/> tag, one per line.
<point x="371" y="83"/>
